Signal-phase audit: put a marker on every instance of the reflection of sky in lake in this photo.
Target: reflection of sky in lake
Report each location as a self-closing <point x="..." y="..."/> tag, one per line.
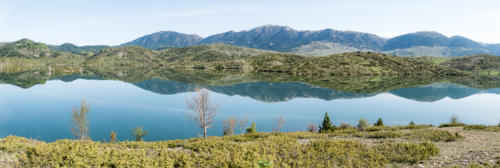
<point x="43" y="111"/>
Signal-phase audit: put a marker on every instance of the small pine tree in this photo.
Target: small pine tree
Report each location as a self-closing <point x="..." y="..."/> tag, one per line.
<point x="139" y="133"/>
<point x="412" y="123"/>
<point x="379" y="123"/>
<point x="112" y="137"/>
<point x="326" y="126"/>
<point x="252" y="129"/>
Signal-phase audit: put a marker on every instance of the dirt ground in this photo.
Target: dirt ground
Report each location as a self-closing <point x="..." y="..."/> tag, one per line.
<point x="478" y="147"/>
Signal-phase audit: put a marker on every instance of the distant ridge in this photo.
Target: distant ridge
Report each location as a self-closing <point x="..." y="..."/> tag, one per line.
<point x="325" y="42"/>
<point x="312" y="43"/>
<point x="165" y="39"/>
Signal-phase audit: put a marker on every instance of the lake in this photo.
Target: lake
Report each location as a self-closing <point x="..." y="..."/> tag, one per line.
<point x="41" y="109"/>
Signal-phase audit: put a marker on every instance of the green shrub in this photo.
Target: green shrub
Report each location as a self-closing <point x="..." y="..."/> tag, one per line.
<point x="482" y="128"/>
<point x="433" y="135"/>
<point x="407" y="152"/>
<point x="265" y="164"/>
<point x="415" y="126"/>
<point x="475" y="127"/>
<point x="411" y="123"/>
<point x="258" y="149"/>
<point x="454" y="122"/>
<point x="344" y="126"/>
<point x="252" y="129"/>
<point x="363" y="124"/>
<point x="139" y="133"/>
<point x="380" y="128"/>
<point x="379" y="134"/>
<point x="452" y="125"/>
<point x="379" y="123"/>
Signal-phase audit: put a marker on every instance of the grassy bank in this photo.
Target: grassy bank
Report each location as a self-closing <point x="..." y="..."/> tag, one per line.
<point x="373" y="147"/>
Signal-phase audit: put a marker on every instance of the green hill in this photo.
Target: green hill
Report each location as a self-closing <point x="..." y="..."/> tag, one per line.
<point x="475" y="63"/>
<point x="211" y="52"/>
<point x="220" y="57"/>
<point x="26" y="48"/>
<point x="25" y="55"/>
<point x="349" y="64"/>
<point x="83" y="50"/>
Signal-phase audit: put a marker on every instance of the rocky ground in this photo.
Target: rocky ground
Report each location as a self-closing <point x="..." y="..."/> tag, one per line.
<point x="478" y="147"/>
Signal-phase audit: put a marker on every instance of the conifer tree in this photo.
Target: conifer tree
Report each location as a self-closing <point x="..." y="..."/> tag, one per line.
<point x="326" y="126"/>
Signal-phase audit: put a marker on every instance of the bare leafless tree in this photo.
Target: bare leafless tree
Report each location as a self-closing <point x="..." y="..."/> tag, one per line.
<point x="242" y="124"/>
<point x="203" y="109"/>
<point x="229" y="126"/>
<point x="278" y="124"/>
<point x="311" y="128"/>
<point x="80" y="121"/>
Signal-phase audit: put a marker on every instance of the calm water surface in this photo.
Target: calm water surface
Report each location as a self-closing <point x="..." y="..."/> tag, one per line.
<point x="43" y="111"/>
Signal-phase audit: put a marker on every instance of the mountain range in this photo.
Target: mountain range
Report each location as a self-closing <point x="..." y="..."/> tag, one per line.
<point x="305" y="42"/>
<point x="325" y="42"/>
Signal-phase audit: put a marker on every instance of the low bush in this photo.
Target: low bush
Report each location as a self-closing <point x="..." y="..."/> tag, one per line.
<point x="379" y="134"/>
<point x="258" y="149"/>
<point x="452" y="125"/>
<point x="407" y="152"/>
<point x="433" y="135"/>
<point x="362" y="124"/>
<point x="414" y="126"/>
<point x="379" y="123"/>
<point x="252" y="129"/>
<point x="454" y="122"/>
<point x="475" y="127"/>
<point x="344" y="126"/>
<point x="380" y="128"/>
<point x="482" y="128"/>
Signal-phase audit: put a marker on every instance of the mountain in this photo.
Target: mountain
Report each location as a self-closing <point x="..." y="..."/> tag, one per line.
<point x="494" y="49"/>
<point x="262" y="91"/>
<point x="268" y="37"/>
<point x="325" y="42"/>
<point x="427" y="39"/>
<point x="165" y="39"/>
<point x="459" y="41"/>
<point x="435" y="92"/>
<point x="438" y="91"/>
<point x="284" y="39"/>
<point x="434" y="44"/>
<point x="85" y="50"/>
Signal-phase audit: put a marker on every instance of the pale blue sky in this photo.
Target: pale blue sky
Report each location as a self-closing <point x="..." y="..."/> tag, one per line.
<point x="112" y="22"/>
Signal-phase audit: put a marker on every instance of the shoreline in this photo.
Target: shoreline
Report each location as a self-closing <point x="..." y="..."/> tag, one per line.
<point x="456" y="146"/>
